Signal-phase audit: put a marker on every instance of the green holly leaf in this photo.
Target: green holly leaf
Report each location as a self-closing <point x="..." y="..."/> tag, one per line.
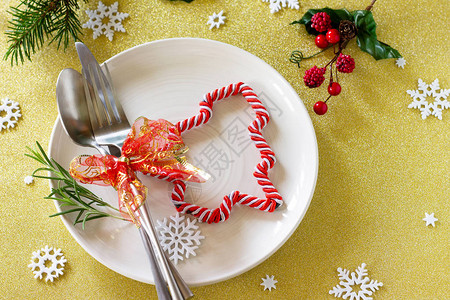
<point x="336" y="15"/>
<point x="366" y="37"/>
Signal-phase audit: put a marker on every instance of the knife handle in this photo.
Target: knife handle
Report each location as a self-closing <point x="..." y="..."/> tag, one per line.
<point x="178" y="288"/>
<point x="160" y="283"/>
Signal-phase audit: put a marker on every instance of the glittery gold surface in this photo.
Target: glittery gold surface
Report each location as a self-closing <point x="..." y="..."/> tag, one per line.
<point x="381" y="166"/>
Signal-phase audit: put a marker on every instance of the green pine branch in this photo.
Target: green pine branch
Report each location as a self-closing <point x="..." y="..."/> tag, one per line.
<point x="34" y="21"/>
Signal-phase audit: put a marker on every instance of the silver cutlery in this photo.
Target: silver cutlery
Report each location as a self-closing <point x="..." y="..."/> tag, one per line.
<point x="110" y="127"/>
<point x="73" y="109"/>
<point x="74" y="115"/>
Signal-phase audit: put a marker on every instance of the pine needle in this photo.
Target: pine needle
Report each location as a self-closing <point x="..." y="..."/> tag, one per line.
<point x="35" y="21"/>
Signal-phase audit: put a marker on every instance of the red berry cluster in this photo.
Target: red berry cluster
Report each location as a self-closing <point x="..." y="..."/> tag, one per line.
<point x="321" y="22"/>
<point x="345" y="63"/>
<point x="314" y="77"/>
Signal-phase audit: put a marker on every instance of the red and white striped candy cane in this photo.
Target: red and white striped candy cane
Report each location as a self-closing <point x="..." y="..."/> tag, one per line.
<point x="273" y="199"/>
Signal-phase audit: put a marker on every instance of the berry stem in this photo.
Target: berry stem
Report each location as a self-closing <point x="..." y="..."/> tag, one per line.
<point x="334" y="58"/>
<point x="337" y="78"/>
<point x="327" y="98"/>
<point x="371" y="5"/>
<point x="297" y="56"/>
<point x="342" y="46"/>
<point x="331" y="73"/>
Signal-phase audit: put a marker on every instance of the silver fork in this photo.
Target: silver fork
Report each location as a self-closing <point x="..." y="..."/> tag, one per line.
<point x="110" y="127"/>
<point x="108" y="119"/>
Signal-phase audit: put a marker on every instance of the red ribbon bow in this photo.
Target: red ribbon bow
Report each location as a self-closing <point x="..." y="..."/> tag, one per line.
<point x="152" y="147"/>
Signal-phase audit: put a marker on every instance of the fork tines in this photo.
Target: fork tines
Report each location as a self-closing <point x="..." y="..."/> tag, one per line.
<point x="97" y="86"/>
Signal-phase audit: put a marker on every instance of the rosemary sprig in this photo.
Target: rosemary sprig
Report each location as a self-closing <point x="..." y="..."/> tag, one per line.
<point x="68" y="192"/>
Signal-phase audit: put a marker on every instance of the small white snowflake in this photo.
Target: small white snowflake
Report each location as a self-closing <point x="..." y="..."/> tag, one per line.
<point x="400" y="62"/>
<point x="419" y="99"/>
<point x="9" y="113"/>
<point x="275" y="5"/>
<point x="345" y="288"/>
<point x="39" y="259"/>
<point x="105" y="20"/>
<point x="178" y="237"/>
<point x="28" y="179"/>
<point x="430" y="219"/>
<point x="216" y="20"/>
<point x="269" y="283"/>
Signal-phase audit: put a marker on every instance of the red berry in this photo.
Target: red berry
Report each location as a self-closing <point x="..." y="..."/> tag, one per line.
<point x="345" y="63"/>
<point x="321" y="41"/>
<point x="333" y="36"/>
<point x="314" y="77"/>
<point x="320" y="108"/>
<point x="321" y="21"/>
<point x="334" y="89"/>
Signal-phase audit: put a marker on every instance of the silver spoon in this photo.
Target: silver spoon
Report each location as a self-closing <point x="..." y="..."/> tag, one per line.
<point x="72" y="108"/>
<point x="73" y="111"/>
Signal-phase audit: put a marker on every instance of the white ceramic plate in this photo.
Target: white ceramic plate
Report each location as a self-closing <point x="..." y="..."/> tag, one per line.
<point x="167" y="79"/>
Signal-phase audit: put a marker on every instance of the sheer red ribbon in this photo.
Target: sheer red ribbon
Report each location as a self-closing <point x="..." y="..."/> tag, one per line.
<point x="151" y="147"/>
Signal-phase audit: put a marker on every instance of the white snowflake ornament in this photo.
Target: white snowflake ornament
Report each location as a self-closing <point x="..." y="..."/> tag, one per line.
<point x="105" y="20"/>
<point x="215" y="20"/>
<point x="430" y="219"/>
<point x="400" y="62"/>
<point x="38" y="263"/>
<point x="269" y="283"/>
<point x="359" y="278"/>
<point x="179" y="237"/>
<point x="276" y="5"/>
<point x="9" y="114"/>
<point x="424" y="90"/>
<point x="28" y="179"/>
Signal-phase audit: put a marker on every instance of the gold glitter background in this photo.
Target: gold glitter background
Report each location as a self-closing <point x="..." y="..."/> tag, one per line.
<point x="381" y="166"/>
